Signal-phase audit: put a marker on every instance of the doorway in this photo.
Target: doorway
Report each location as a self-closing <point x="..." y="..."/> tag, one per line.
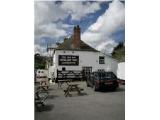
<point x="86" y="72"/>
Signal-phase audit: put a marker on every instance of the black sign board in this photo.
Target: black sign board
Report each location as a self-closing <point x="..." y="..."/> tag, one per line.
<point x="68" y="60"/>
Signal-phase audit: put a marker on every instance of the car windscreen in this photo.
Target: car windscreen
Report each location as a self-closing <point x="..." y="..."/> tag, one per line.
<point x="105" y="76"/>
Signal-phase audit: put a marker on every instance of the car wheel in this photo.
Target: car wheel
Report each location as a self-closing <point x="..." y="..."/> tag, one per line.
<point x="115" y="87"/>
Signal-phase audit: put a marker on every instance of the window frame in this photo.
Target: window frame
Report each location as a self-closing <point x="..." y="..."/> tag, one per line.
<point x="101" y="59"/>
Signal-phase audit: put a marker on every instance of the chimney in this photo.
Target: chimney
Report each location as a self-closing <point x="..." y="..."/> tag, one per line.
<point x="76" y="37"/>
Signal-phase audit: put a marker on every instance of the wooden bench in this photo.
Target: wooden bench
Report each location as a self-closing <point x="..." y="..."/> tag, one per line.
<point x="72" y="88"/>
<point x="81" y="89"/>
<point x="39" y="101"/>
<point x="42" y="87"/>
<point x="60" y="82"/>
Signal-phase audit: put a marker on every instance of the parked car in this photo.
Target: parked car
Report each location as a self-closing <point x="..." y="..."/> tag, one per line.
<point x="121" y="81"/>
<point x="99" y="80"/>
<point x="41" y="73"/>
<point x="42" y="77"/>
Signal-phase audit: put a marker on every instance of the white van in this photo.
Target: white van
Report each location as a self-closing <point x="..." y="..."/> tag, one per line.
<point x="121" y="73"/>
<point x="42" y="73"/>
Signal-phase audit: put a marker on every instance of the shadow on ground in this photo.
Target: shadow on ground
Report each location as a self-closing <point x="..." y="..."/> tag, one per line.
<point x="83" y="94"/>
<point x="111" y="90"/>
<point x="47" y="107"/>
<point x="76" y="95"/>
<point x="52" y="96"/>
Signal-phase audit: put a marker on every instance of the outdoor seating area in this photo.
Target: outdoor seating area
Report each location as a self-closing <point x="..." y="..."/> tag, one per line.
<point x="59" y="99"/>
<point x="39" y="101"/>
<point x="63" y="88"/>
<point x="61" y="82"/>
<point x="75" y="97"/>
<point x="41" y="93"/>
<point x="72" y="88"/>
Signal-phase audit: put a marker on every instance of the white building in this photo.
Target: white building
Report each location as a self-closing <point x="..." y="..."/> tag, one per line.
<point x="74" y="56"/>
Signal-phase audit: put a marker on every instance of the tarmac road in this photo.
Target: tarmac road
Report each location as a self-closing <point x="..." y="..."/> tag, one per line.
<point x="91" y="106"/>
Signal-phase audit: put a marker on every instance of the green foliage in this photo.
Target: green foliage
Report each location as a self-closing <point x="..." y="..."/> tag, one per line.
<point x="39" y="61"/>
<point x="119" y="53"/>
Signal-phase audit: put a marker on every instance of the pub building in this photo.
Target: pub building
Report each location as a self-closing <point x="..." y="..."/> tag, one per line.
<point x="74" y="59"/>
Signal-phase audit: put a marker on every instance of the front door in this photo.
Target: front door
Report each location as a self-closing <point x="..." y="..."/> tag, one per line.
<point x="86" y="71"/>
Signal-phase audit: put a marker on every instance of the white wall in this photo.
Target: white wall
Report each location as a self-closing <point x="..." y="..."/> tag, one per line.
<point x="86" y="59"/>
<point x="50" y="71"/>
<point x="110" y="64"/>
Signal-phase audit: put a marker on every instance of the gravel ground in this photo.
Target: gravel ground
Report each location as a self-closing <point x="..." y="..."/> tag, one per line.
<point x="89" y="106"/>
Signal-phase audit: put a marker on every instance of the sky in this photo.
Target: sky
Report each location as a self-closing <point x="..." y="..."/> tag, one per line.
<point x="102" y="23"/>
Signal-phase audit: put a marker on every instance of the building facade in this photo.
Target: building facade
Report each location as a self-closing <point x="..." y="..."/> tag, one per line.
<point x="74" y="58"/>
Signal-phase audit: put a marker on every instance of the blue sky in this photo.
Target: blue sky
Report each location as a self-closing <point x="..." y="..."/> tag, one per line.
<point x="102" y="23"/>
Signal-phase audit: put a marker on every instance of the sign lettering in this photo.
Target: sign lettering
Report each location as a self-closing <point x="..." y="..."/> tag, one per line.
<point x="68" y="60"/>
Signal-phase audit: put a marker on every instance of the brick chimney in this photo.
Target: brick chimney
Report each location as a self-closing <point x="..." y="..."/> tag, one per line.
<point x="76" y="37"/>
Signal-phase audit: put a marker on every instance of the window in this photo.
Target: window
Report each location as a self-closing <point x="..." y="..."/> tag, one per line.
<point x="101" y="70"/>
<point x="63" y="68"/>
<point x="101" y="60"/>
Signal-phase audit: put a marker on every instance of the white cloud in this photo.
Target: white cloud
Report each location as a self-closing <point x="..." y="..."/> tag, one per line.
<point x="107" y="46"/>
<point x="98" y="34"/>
<point x="77" y="10"/>
<point x="47" y="13"/>
<point x="51" y="30"/>
<point x="112" y="19"/>
<point x="40" y="50"/>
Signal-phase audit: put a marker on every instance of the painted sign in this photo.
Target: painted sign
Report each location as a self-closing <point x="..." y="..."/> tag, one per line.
<point x="68" y="60"/>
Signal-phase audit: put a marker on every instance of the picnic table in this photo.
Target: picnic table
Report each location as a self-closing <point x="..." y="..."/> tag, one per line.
<point x="44" y="83"/>
<point x="60" y="82"/>
<point x="72" y="87"/>
<point x="42" y="87"/>
<point x="40" y="97"/>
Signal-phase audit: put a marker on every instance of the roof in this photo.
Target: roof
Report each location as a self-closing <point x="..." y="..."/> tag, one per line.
<point x="67" y="45"/>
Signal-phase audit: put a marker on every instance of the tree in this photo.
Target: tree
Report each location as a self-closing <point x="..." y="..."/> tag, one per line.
<point x="39" y="61"/>
<point x="119" y="52"/>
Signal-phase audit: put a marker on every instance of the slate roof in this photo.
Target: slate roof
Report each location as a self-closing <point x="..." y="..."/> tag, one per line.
<point x="67" y="45"/>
